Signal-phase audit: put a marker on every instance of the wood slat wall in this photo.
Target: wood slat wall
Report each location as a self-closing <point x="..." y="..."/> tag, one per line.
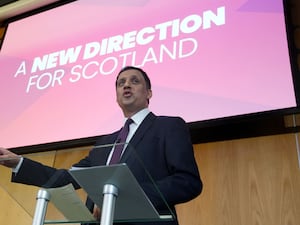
<point x="251" y="181"/>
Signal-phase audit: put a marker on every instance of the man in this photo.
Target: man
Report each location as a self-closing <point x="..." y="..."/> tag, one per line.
<point x="162" y="143"/>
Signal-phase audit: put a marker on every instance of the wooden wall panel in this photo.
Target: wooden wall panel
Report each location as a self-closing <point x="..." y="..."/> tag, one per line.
<point x="2" y="29"/>
<point x="12" y="213"/>
<point x="24" y="195"/>
<point x="253" y="181"/>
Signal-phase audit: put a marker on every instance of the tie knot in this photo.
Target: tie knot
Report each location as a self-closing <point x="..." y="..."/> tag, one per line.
<point x="125" y="130"/>
<point x="128" y="122"/>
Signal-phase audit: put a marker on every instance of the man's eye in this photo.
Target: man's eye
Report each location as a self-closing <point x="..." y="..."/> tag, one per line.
<point x="135" y="81"/>
<point x="120" y="83"/>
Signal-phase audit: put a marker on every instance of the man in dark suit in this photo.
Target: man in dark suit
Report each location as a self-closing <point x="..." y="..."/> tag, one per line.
<point x="162" y="143"/>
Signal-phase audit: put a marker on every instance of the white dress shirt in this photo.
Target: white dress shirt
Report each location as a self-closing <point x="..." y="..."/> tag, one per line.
<point x="137" y="120"/>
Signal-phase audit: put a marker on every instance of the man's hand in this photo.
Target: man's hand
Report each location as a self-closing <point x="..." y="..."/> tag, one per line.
<point x="97" y="212"/>
<point x="8" y="158"/>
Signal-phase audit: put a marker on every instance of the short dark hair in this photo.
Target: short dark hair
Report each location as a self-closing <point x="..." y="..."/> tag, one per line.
<point x="144" y="74"/>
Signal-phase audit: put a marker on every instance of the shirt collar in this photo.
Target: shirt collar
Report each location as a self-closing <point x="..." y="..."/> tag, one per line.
<point x="140" y="116"/>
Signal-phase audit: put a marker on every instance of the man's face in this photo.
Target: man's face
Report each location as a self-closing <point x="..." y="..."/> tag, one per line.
<point x="132" y="93"/>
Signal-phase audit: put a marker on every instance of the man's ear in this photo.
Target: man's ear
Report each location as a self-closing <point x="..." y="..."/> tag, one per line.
<point x="149" y="94"/>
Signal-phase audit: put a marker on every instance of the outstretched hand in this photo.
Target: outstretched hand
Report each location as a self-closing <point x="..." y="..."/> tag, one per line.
<point x="8" y="158"/>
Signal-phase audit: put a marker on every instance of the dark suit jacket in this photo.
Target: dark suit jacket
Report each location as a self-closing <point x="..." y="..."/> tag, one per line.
<point x="163" y="145"/>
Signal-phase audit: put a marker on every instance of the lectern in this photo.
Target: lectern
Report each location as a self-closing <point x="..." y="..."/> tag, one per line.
<point x="114" y="188"/>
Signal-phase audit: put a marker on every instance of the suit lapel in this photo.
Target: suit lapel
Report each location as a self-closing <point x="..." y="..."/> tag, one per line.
<point x="138" y="136"/>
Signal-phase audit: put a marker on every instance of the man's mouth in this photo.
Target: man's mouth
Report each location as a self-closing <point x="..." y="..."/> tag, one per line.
<point x="127" y="94"/>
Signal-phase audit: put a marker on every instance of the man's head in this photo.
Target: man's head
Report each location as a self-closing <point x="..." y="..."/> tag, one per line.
<point x="144" y="74"/>
<point x="133" y="88"/>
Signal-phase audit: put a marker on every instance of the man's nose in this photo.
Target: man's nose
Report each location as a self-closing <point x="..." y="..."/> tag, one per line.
<point x="127" y="83"/>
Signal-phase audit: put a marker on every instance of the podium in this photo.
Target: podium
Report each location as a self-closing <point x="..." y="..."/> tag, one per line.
<point x="113" y="188"/>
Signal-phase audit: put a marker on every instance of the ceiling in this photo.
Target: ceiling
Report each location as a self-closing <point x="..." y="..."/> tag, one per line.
<point x="11" y="8"/>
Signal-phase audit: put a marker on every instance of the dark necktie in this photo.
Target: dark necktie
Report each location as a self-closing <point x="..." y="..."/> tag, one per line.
<point x="120" y="140"/>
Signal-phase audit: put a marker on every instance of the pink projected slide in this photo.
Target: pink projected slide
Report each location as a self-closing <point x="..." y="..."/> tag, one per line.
<point x="206" y="59"/>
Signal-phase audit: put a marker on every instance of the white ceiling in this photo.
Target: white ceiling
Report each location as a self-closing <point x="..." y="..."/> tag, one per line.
<point x="21" y="6"/>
